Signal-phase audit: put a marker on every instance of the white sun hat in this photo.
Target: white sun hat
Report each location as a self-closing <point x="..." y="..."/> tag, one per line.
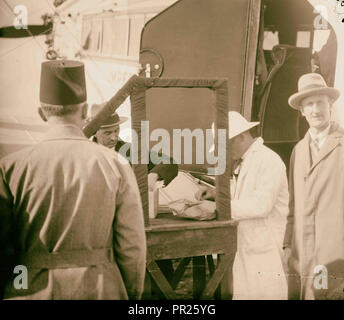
<point x="237" y="124"/>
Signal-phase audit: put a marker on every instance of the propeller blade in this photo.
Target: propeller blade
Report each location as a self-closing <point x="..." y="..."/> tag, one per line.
<point x="12" y="32"/>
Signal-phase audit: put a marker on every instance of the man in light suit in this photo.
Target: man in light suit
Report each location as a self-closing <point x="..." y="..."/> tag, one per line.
<point x="314" y="240"/>
<point x="259" y="202"/>
<point x="70" y="209"/>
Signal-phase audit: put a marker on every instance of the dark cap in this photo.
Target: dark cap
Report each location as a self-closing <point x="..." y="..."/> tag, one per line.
<point x="63" y="82"/>
<point x="113" y="120"/>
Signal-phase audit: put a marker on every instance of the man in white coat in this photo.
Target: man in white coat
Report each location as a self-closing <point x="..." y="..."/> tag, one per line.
<point x="259" y="203"/>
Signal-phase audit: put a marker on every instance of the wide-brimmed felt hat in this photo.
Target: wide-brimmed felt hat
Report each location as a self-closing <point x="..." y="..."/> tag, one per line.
<point x="63" y="82"/>
<point x="114" y="120"/>
<point x="237" y="124"/>
<point x="311" y="84"/>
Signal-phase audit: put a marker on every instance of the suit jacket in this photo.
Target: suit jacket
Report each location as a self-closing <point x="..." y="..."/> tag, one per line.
<point x="72" y="199"/>
<point x="315" y="229"/>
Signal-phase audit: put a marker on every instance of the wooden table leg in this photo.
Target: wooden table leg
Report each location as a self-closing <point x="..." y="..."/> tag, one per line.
<point x="211" y="266"/>
<point x="223" y="264"/>
<point x="226" y="285"/>
<point x="161" y="281"/>
<point x="199" y="276"/>
<point x="178" y="274"/>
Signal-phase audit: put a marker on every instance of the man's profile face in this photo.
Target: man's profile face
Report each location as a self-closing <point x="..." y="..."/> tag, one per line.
<point x="108" y="137"/>
<point x="236" y="148"/>
<point x="317" y="111"/>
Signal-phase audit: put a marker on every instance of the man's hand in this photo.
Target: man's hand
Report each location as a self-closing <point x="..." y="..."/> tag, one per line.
<point x="152" y="179"/>
<point x="205" y="193"/>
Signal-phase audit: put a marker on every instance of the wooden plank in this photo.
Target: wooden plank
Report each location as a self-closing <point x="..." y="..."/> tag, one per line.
<point x="211" y="264"/>
<point x="222" y="266"/>
<point x="161" y="281"/>
<point x="226" y="285"/>
<point x="189" y="243"/>
<point x="172" y="223"/>
<point x="180" y="271"/>
<point x="199" y="276"/>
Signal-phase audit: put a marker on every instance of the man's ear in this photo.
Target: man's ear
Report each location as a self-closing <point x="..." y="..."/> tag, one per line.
<point x="42" y="115"/>
<point x="84" y="111"/>
<point x="301" y="111"/>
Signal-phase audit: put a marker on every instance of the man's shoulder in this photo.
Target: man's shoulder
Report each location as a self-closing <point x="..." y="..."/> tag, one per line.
<point x="269" y="154"/>
<point x="109" y="154"/>
<point x="299" y="144"/>
<point x="14" y="157"/>
<point x="337" y="129"/>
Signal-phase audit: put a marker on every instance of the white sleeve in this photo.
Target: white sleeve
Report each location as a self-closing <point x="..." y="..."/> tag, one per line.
<point x="260" y="203"/>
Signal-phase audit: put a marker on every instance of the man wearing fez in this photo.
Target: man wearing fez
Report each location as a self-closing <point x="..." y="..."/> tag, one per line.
<point x="108" y="135"/>
<point x="314" y="240"/>
<point x="70" y="209"/>
<point x="259" y="202"/>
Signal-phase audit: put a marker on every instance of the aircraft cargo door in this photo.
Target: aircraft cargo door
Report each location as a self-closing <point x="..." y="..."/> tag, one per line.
<point x="200" y="39"/>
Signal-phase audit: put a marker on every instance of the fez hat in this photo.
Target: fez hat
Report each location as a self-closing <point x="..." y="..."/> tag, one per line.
<point x="237" y="124"/>
<point x="311" y="84"/>
<point x="113" y="120"/>
<point x="63" y="82"/>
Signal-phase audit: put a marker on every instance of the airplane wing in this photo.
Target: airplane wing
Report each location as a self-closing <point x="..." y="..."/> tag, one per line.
<point x="17" y="132"/>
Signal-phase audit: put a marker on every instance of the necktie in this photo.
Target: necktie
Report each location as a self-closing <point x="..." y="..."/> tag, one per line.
<point x="236" y="168"/>
<point x="234" y="176"/>
<point x="314" y="146"/>
<point x="317" y="144"/>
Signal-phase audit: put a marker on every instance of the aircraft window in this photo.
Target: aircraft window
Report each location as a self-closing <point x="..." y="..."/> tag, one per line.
<point x="303" y="39"/>
<point x="116" y="36"/>
<point x="86" y="33"/>
<point x="119" y="35"/>
<point x="91" y="34"/>
<point x="320" y="39"/>
<point x="107" y="41"/>
<point x="136" y="25"/>
<point x="270" y="40"/>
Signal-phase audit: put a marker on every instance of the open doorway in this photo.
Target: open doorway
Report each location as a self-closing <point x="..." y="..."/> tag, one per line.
<point x="293" y="40"/>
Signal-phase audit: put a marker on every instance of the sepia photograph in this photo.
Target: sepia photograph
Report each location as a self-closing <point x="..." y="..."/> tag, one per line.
<point x="163" y="150"/>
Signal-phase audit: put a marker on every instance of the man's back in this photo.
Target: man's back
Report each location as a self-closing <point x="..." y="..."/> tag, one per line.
<point x="72" y="196"/>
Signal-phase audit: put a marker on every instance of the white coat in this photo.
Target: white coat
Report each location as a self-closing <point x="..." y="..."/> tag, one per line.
<point x="260" y="204"/>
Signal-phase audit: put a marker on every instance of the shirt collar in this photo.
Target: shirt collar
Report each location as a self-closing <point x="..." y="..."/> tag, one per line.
<point x="257" y="142"/>
<point x="64" y="131"/>
<point x="252" y="147"/>
<point x="321" y="136"/>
